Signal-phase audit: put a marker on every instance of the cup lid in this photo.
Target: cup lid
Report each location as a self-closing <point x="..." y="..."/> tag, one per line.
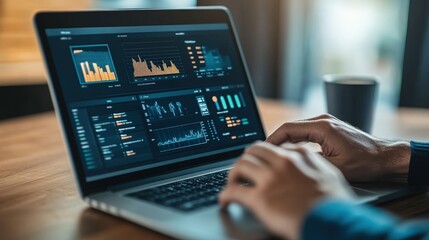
<point x="351" y="79"/>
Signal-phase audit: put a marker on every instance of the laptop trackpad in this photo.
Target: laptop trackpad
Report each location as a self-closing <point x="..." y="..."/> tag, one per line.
<point x="240" y="223"/>
<point x="242" y="216"/>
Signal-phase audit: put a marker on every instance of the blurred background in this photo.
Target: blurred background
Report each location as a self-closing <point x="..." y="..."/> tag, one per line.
<point x="288" y="44"/>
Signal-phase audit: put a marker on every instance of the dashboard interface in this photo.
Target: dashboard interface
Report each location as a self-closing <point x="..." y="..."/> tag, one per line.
<point x="140" y="97"/>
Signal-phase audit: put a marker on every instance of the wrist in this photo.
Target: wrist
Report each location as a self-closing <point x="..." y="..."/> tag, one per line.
<point x="395" y="158"/>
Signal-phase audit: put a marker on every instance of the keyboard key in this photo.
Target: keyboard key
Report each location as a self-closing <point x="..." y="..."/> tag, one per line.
<point x="186" y="195"/>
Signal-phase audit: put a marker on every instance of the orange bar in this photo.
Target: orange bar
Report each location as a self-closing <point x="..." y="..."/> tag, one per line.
<point x="85" y="75"/>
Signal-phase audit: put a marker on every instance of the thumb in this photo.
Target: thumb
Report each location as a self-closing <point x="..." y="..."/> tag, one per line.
<point x="300" y="131"/>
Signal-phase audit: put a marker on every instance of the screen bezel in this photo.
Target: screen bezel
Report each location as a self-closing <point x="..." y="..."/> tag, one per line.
<point x="45" y="20"/>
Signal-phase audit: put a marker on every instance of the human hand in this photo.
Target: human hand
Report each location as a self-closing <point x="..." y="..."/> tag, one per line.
<point x="284" y="185"/>
<point x="360" y="156"/>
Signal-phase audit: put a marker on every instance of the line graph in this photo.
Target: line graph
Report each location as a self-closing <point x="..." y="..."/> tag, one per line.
<point x="159" y="109"/>
<point x="168" y="108"/>
<point x="182" y="136"/>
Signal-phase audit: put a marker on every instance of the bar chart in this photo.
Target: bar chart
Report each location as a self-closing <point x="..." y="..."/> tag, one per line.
<point x="229" y="101"/>
<point x="93" y="64"/>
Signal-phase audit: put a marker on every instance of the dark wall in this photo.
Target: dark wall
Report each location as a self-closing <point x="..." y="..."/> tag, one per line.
<point x="257" y="23"/>
<point x="22" y="100"/>
<point x="415" y="75"/>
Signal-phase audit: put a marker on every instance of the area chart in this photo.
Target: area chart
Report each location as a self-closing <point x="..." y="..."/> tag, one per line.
<point x="152" y="61"/>
<point x="144" y="69"/>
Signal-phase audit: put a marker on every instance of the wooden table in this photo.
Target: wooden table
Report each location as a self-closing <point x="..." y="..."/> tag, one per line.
<point x="37" y="193"/>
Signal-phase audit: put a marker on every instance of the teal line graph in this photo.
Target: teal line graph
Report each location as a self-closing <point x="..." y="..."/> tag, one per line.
<point x="182" y="136"/>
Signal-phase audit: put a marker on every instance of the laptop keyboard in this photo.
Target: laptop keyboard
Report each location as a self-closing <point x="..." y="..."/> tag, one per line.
<point x="186" y="195"/>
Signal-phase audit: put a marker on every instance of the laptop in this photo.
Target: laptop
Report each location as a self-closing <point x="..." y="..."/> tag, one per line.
<point x="155" y="107"/>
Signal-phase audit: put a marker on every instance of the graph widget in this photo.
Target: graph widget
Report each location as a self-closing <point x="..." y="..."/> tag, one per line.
<point x="174" y="107"/>
<point x="144" y="69"/>
<point x="229" y="101"/>
<point x="206" y="61"/>
<point x="93" y="64"/>
<point x="182" y="136"/>
<point x="152" y="61"/>
<point x="165" y="109"/>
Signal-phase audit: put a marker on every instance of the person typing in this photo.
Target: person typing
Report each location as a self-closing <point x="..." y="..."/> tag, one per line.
<point x="300" y="194"/>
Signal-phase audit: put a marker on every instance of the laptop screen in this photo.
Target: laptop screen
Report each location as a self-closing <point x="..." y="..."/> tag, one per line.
<point x="141" y="97"/>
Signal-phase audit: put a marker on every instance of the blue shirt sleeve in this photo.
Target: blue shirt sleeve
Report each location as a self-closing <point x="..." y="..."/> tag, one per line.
<point x="418" y="173"/>
<point x="335" y="219"/>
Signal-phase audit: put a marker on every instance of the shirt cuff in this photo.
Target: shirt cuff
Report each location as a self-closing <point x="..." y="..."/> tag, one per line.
<point x="418" y="173"/>
<point x="340" y="219"/>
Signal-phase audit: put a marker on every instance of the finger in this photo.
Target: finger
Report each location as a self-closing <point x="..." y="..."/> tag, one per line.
<point x="277" y="158"/>
<point x="310" y="162"/>
<point x="322" y="116"/>
<point x="268" y="153"/>
<point x="303" y="151"/>
<point x="310" y="131"/>
<point x="313" y="147"/>
<point x="315" y="160"/>
<point x="312" y="158"/>
<point x="327" y="167"/>
<point x="300" y="159"/>
<point x="252" y="159"/>
<point x="236" y="193"/>
<point x="245" y="170"/>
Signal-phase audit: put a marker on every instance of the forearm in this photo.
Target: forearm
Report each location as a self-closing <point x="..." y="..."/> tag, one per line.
<point x="338" y="219"/>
